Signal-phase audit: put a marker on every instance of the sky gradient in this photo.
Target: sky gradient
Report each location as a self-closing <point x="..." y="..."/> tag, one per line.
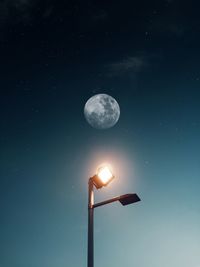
<point x="54" y="56"/>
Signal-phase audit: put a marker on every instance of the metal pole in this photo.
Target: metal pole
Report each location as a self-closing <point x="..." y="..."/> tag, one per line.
<point x="90" y="224"/>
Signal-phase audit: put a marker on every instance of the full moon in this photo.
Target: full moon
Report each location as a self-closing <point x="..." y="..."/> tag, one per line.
<point x="102" y="111"/>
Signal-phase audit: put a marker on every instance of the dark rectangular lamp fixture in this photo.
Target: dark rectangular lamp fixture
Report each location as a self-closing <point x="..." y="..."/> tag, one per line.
<point x="128" y="199"/>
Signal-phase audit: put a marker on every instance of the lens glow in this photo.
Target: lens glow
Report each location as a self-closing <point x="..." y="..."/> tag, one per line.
<point x="105" y="175"/>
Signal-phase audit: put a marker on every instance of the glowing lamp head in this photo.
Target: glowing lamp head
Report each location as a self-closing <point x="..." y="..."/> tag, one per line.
<point x="103" y="177"/>
<point x="104" y="174"/>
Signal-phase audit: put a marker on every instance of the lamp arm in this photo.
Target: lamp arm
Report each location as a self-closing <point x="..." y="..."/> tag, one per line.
<point x="106" y="202"/>
<point x="124" y="200"/>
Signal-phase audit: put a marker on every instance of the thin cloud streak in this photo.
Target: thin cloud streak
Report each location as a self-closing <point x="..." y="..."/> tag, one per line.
<point x="132" y="65"/>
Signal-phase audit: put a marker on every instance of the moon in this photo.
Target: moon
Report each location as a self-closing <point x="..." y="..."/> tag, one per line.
<point x="102" y="111"/>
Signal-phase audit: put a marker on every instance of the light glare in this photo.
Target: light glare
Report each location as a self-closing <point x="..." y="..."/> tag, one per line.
<point x="104" y="174"/>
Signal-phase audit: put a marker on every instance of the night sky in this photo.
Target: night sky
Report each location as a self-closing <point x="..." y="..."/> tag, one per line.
<point x="55" y="55"/>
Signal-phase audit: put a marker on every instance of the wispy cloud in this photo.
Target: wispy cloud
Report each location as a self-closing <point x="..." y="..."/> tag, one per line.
<point x="18" y="5"/>
<point x="133" y="64"/>
<point x="21" y="10"/>
<point x="18" y="8"/>
<point x="100" y="15"/>
<point x="174" y="21"/>
<point x="173" y="27"/>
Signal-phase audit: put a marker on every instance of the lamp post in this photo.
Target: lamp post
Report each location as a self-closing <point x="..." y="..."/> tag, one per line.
<point x="103" y="177"/>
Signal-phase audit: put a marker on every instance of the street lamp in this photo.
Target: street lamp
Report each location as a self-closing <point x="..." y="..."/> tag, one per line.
<point x="103" y="177"/>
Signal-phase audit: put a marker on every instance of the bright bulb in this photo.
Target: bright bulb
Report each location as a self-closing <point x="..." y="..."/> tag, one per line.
<point x="105" y="174"/>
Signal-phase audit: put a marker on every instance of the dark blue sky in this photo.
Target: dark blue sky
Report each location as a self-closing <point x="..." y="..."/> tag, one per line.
<point x="54" y="56"/>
